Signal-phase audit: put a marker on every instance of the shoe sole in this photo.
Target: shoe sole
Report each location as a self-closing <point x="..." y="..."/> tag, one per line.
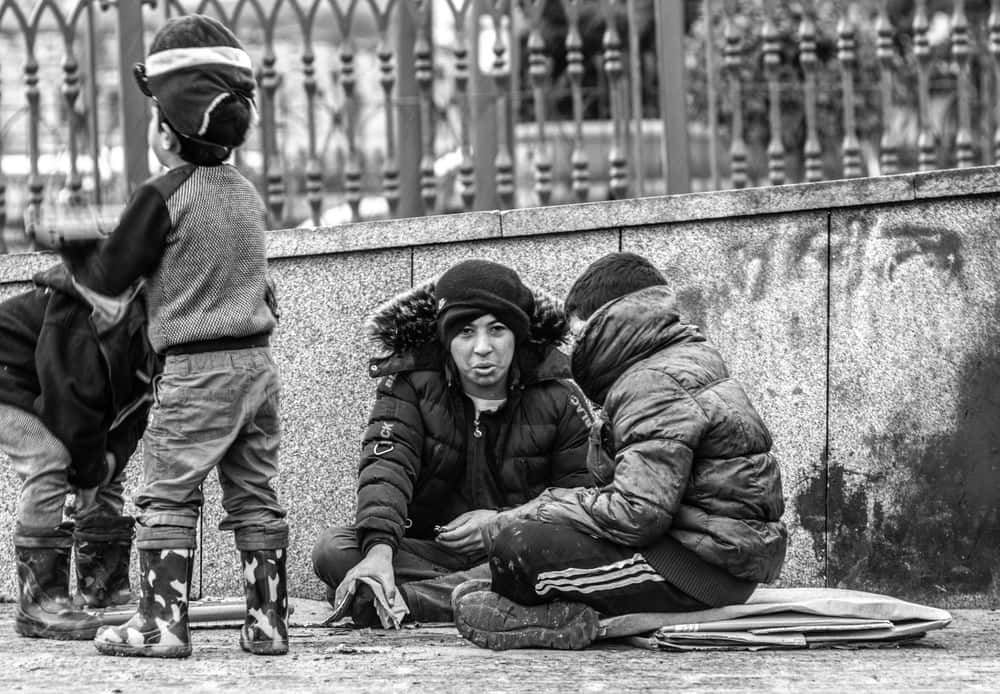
<point x="35" y="630"/>
<point x="264" y="648"/>
<point x="151" y="651"/>
<point x="578" y="631"/>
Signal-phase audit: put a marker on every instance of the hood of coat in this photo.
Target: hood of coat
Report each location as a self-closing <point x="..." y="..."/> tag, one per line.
<point x="404" y="331"/>
<point x="622" y="333"/>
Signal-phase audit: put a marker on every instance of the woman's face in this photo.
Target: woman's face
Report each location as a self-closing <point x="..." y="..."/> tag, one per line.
<point x="483" y="351"/>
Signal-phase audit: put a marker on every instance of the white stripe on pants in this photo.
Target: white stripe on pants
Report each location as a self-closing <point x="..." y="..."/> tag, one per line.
<point x="596" y="579"/>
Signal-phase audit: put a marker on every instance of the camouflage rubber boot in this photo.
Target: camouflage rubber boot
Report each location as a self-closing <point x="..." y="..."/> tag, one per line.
<point x="159" y="628"/>
<point x="265" y="631"/>
<point x="44" y="609"/>
<point x="492" y="621"/>
<point x="103" y="548"/>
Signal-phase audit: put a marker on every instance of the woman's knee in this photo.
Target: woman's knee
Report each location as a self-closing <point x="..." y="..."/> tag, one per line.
<point x="335" y="552"/>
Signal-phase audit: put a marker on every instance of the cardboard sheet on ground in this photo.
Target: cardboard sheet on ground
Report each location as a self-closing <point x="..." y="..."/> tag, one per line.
<point x="784" y="618"/>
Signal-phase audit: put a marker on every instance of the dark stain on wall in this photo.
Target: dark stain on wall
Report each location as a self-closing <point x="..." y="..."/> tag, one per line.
<point x="940" y="535"/>
<point x="939" y="248"/>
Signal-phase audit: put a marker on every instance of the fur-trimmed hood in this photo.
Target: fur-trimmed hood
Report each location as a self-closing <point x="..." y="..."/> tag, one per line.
<point x="404" y="332"/>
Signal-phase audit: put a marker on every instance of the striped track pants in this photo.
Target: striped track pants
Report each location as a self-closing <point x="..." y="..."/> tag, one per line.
<point x="533" y="562"/>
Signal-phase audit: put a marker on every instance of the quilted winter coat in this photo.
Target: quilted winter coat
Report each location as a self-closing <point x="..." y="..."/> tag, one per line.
<point x="419" y="449"/>
<point x="683" y="451"/>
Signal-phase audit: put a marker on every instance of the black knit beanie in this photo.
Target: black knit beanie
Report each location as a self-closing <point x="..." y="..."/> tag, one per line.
<point x="474" y="288"/>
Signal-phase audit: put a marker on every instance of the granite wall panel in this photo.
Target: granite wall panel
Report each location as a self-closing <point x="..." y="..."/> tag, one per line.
<point x="322" y="355"/>
<point x="912" y="484"/>
<point x="757" y="286"/>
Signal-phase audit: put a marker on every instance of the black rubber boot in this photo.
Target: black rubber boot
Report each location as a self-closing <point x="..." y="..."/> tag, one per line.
<point x="44" y="609"/>
<point x="159" y="628"/>
<point x="103" y="549"/>
<point x="265" y="631"/>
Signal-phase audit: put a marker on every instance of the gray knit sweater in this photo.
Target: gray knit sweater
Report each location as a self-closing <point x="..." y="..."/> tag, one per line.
<point x="196" y="234"/>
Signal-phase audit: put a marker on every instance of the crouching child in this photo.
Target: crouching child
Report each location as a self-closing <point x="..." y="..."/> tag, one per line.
<point x="75" y="373"/>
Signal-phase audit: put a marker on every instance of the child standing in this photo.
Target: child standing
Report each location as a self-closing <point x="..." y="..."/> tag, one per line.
<point x="196" y="233"/>
<point x="74" y="377"/>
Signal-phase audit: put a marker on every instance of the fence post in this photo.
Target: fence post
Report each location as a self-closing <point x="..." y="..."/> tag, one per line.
<point x="408" y="117"/>
<point x="669" y="19"/>
<point x="483" y="109"/>
<point x="134" y="109"/>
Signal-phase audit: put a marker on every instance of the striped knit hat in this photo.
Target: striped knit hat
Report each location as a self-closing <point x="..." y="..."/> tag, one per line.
<point x="194" y="63"/>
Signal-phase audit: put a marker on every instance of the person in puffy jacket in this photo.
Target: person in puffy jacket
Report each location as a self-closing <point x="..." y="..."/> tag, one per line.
<point x="687" y="511"/>
<point x="474" y="413"/>
<point x="75" y="373"/>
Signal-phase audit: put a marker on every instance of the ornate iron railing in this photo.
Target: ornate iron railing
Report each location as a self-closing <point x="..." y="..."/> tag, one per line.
<point x="412" y="107"/>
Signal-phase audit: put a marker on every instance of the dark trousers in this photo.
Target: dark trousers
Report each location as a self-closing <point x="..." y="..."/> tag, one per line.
<point x="533" y="562"/>
<point x="425" y="572"/>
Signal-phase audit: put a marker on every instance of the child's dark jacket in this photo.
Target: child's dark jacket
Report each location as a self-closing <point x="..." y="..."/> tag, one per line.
<point x="88" y="383"/>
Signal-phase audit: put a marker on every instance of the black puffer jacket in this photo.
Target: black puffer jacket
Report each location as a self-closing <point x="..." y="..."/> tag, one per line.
<point x="87" y="383"/>
<point x="419" y="449"/>
<point x="686" y="452"/>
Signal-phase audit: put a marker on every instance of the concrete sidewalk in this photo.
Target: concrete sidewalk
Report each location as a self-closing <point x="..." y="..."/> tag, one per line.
<point x="434" y="658"/>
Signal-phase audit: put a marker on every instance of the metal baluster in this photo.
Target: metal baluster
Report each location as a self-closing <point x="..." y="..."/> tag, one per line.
<point x="348" y="81"/>
<point x="635" y="107"/>
<point x="538" y="71"/>
<point x="926" y="157"/>
<point x="503" y="163"/>
<point x="314" y="170"/>
<point x="812" y="151"/>
<point x="574" y="69"/>
<point x="846" y="54"/>
<point x="732" y="64"/>
<point x="71" y="92"/>
<point x="94" y="130"/>
<point x="712" y="88"/>
<point x="387" y="79"/>
<point x="424" y="74"/>
<point x="617" y="160"/>
<point x="964" y="155"/>
<point x="3" y="189"/>
<point x="274" y="193"/>
<point x="466" y="169"/>
<point x="35" y="186"/>
<point x="888" y="158"/>
<point x="994" y="24"/>
<point x="772" y="65"/>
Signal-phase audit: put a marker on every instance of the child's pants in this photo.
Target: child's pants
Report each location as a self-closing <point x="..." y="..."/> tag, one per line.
<point x="213" y="410"/>
<point x="42" y="464"/>
<point x="534" y="562"/>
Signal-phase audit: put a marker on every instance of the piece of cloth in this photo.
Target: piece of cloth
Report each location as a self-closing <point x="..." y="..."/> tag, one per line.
<point x="88" y="384"/>
<point x="390" y="615"/>
<point x="419" y="445"/>
<point x="425" y="572"/>
<point x="533" y="563"/>
<point x="692" y="457"/>
<point x="215" y="410"/>
<point x="473" y="288"/>
<point x="197" y="234"/>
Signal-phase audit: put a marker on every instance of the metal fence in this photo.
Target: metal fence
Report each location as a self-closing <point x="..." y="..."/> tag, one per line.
<point x="382" y="108"/>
